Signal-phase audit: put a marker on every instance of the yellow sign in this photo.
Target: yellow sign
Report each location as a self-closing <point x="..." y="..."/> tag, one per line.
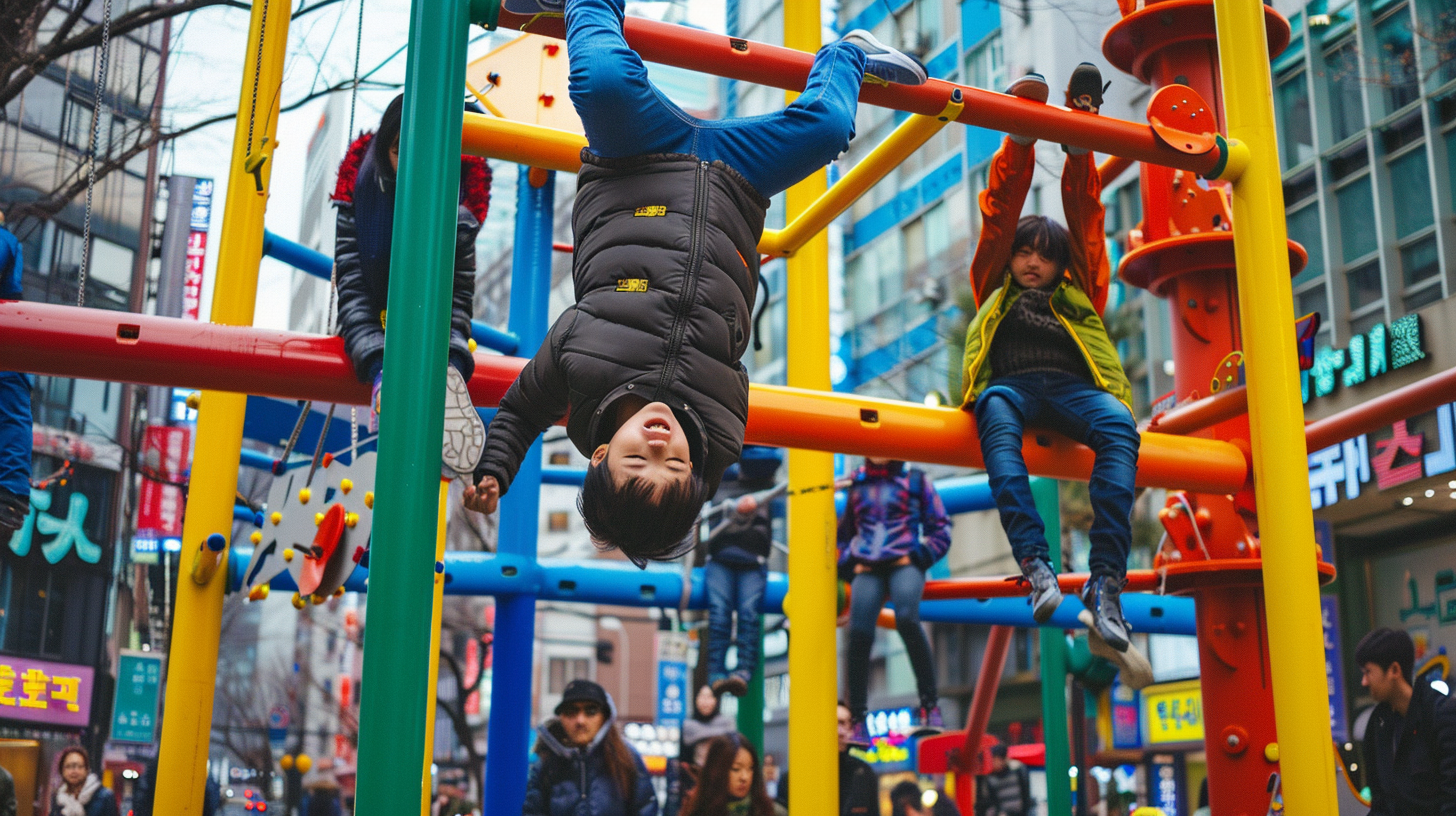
<point x="631" y="284"/>
<point x="1173" y="712"/>
<point x="654" y="211"/>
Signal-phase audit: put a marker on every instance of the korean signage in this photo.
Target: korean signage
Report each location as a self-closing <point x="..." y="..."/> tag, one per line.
<point x="138" y="687"/>
<point x="164" y="460"/>
<point x="1126" y="716"/>
<point x="891" y="746"/>
<point x="1378" y="351"/>
<point x="200" y="219"/>
<point x="1390" y="458"/>
<point x="54" y="694"/>
<point x="1166" y="781"/>
<point x="54" y="530"/>
<point x="1419" y="595"/>
<point x="68" y="445"/>
<point x="1334" y="676"/>
<point x="1173" y="712"/>
<point x="672" y="679"/>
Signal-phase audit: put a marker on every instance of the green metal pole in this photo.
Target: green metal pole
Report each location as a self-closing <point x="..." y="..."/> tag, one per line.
<point x="750" y="705"/>
<point x="397" y="630"/>
<point x="1054" y="667"/>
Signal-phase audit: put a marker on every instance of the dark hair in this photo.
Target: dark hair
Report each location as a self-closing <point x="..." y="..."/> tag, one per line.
<point x="904" y="795"/>
<point x="998" y="751"/>
<point x="645" y="524"/>
<point x="1386" y="646"/>
<point x="73" y="749"/>
<point x="710" y="797"/>
<point x="717" y="704"/>
<point x="617" y="757"/>
<point x="323" y="801"/>
<point x="389" y="127"/>
<point x="1046" y="237"/>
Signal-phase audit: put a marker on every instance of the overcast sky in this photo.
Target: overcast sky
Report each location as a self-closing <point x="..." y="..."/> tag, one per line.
<point x="205" y="77"/>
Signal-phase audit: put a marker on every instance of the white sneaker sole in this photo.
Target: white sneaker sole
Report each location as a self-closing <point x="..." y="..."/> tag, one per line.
<point x="885" y="62"/>
<point x="464" y="431"/>
<point x="1136" y="672"/>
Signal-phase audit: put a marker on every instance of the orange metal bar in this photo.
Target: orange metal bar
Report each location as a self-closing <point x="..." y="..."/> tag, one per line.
<point x="1416" y="398"/>
<point x="509" y="140"/>
<point x="1111" y="168"/>
<point x="787" y="68"/>
<point x="1204" y="413"/>
<point x="1011" y="587"/>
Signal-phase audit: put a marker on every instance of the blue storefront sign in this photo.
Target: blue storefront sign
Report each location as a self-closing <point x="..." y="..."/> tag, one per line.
<point x="672" y="679"/>
<point x="1126" y="716"/>
<point x="1166" y="783"/>
<point x="1334" y="674"/>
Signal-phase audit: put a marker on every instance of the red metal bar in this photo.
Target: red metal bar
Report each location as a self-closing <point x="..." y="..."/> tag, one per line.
<point x="988" y="682"/>
<point x="123" y="347"/>
<point x="1112" y="167"/>
<point x="560" y="247"/>
<point x="1204" y="413"/>
<point x="786" y="68"/>
<point x="1071" y="584"/>
<point x="1416" y="398"/>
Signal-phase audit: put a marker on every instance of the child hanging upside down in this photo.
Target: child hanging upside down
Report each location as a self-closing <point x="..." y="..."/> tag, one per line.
<point x="1037" y="353"/>
<point x="669" y="211"/>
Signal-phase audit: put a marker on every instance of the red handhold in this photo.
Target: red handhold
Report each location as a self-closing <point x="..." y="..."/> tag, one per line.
<point x="325" y="544"/>
<point x="547" y="100"/>
<point x="328" y="459"/>
<point x="1182" y="119"/>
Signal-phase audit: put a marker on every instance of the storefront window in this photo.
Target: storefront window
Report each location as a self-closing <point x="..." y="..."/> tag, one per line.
<point x="1342" y="83"/>
<point x="1304" y="228"/>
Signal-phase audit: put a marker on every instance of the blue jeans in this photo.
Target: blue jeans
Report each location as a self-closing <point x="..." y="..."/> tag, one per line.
<point x="15" y="433"/>
<point x="903" y="585"/>
<point x="1083" y="412"/>
<point x="733" y="589"/>
<point x="625" y="115"/>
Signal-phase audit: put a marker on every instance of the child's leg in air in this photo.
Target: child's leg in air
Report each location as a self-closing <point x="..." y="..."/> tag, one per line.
<point x="721" y="588"/>
<point x="623" y="114"/>
<point x="867" y="598"/>
<point x="751" y="584"/>
<point x="907" y="585"/>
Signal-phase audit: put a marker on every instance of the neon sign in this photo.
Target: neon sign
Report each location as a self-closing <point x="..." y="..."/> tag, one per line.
<point x="1378" y="351"/>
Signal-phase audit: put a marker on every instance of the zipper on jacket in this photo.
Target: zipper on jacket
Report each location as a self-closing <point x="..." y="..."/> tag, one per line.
<point x="975" y="365"/>
<point x="1086" y="355"/>
<point x="690" y="281"/>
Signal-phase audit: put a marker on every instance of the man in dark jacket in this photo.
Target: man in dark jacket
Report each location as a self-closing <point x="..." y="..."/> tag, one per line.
<point x="1006" y="790"/>
<point x="1410" y="741"/>
<point x="584" y="767"/>
<point x="669" y="212"/>
<point x="858" y="786"/>
<point x="363" y="241"/>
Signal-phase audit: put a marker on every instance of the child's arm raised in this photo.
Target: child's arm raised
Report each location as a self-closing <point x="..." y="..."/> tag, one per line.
<point x="1001" y="203"/>
<point x="1082" y="205"/>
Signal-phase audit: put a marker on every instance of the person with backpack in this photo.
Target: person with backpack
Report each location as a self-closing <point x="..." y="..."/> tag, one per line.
<point x="894" y="528"/>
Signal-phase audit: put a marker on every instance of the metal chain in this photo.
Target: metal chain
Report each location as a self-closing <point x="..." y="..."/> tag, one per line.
<point x="358" y="47"/>
<point x="257" y="74"/>
<point x="100" y="86"/>
<point x="349" y="136"/>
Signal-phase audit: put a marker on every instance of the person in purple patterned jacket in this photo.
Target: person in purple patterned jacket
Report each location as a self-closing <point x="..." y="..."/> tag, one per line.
<point x="894" y="527"/>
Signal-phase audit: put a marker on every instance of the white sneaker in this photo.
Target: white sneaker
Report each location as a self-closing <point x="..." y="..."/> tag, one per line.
<point x="885" y="62"/>
<point x="464" y="431"/>
<point x="1136" y="672"/>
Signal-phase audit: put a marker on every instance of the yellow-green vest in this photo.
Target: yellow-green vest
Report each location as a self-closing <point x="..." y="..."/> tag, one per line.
<point x="1076" y="313"/>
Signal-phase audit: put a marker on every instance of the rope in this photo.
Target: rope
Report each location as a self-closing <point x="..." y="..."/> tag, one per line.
<point x="100" y="85"/>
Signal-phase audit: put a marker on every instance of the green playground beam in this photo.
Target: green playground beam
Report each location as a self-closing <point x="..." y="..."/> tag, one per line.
<point x="397" y="631"/>
<point x="1054" y="667"/>
<point x="750" y="705"/>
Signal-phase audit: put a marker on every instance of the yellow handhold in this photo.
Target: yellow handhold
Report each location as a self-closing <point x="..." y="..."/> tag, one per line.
<point x="194" y="399"/>
<point x="298" y="601"/>
<point x="471" y="345"/>
<point x="258" y="593"/>
<point x="276" y="518"/>
<point x="288" y="554"/>
<point x="1271" y="752"/>
<point x="351" y="519"/>
<point x="318" y="518"/>
<point x="346" y="485"/>
<point x="369" y="500"/>
<point x="339" y="593"/>
<point x="304" y="494"/>
<point x="317" y="599"/>
<point x="256" y="538"/>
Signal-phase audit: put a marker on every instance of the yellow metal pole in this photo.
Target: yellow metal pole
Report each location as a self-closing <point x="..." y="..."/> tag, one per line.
<point x="813" y="750"/>
<point x="1276" y="419"/>
<point x="197" y="622"/>
<point x="434" y="662"/>
<point x="887" y="155"/>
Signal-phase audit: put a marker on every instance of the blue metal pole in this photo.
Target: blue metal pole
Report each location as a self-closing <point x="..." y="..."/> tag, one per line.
<point x="515" y="614"/>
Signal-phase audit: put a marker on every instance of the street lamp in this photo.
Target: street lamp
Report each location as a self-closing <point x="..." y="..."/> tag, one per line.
<point x="614" y="624"/>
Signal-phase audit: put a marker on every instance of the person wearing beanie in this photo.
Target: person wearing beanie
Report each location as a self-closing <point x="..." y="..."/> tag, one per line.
<point x="584" y="767"/>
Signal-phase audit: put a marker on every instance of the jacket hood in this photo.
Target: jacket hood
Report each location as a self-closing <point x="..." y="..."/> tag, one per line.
<point x="475" y="178"/>
<point x="552" y="735"/>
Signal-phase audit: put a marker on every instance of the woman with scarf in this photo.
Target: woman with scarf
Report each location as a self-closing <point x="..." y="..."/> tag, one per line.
<point x="731" y="782"/>
<point x="364" y="231"/>
<point x="80" y="792"/>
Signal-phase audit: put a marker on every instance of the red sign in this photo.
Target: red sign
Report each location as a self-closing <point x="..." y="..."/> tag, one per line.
<point x="192" y="281"/>
<point x="164" y="459"/>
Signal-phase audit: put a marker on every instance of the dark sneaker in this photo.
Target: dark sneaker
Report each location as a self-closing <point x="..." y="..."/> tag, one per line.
<point x="530" y="8"/>
<point x="1033" y="86"/>
<point x="732" y="684"/>
<point x="464" y="430"/>
<point x="1045" y="596"/>
<point x="927" y="722"/>
<point x="1131" y="665"/>
<point x="883" y="61"/>
<point x="13" y="510"/>
<point x="1085" y="89"/>
<point x="1102" y="595"/>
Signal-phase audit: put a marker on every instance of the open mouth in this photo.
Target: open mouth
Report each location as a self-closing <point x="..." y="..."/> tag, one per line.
<point x="658" y="425"/>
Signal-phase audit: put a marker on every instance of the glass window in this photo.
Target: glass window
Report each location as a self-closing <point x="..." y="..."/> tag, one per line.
<point x="914" y="244"/>
<point x="44" y="101"/>
<point x="863" y="288"/>
<point x="1420" y="261"/>
<point x="1342" y="83"/>
<point x="986" y="65"/>
<point x="937" y="231"/>
<point x="1451" y="164"/>
<point x="1396" y="60"/>
<point x="1364" y="284"/>
<point x="1357" y="219"/>
<point x="1440" y="44"/>
<point x="1296" y="135"/>
<point x="1304" y="229"/>
<point x="1410" y="185"/>
<point x="927" y="19"/>
<point x="1311" y="300"/>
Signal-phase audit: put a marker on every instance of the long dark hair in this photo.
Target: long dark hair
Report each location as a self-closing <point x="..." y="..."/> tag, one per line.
<point x="621" y="764"/>
<point x="389" y="126"/>
<point x="710" y="797"/>
<point x="717" y="705"/>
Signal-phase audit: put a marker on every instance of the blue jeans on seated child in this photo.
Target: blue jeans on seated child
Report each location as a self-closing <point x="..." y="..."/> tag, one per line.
<point x="625" y="115"/>
<point x="730" y="589"/>
<point x="1083" y="412"/>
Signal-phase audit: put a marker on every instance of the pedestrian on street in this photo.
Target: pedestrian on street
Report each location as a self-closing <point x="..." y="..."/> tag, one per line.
<point x="1410" y="740"/>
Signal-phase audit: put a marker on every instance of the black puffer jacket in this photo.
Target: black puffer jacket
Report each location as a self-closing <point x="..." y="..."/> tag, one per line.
<point x="666" y="269"/>
<point x="1411" y="760"/>
<point x="363" y="287"/>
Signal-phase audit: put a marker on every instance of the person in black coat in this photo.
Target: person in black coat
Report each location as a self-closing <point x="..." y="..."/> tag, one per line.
<point x="363" y="241"/>
<point x="668" y="215"/>
<point x="859" y="787"/>
<point x="584" y="767"/>
<point x="1410" y="740"/>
